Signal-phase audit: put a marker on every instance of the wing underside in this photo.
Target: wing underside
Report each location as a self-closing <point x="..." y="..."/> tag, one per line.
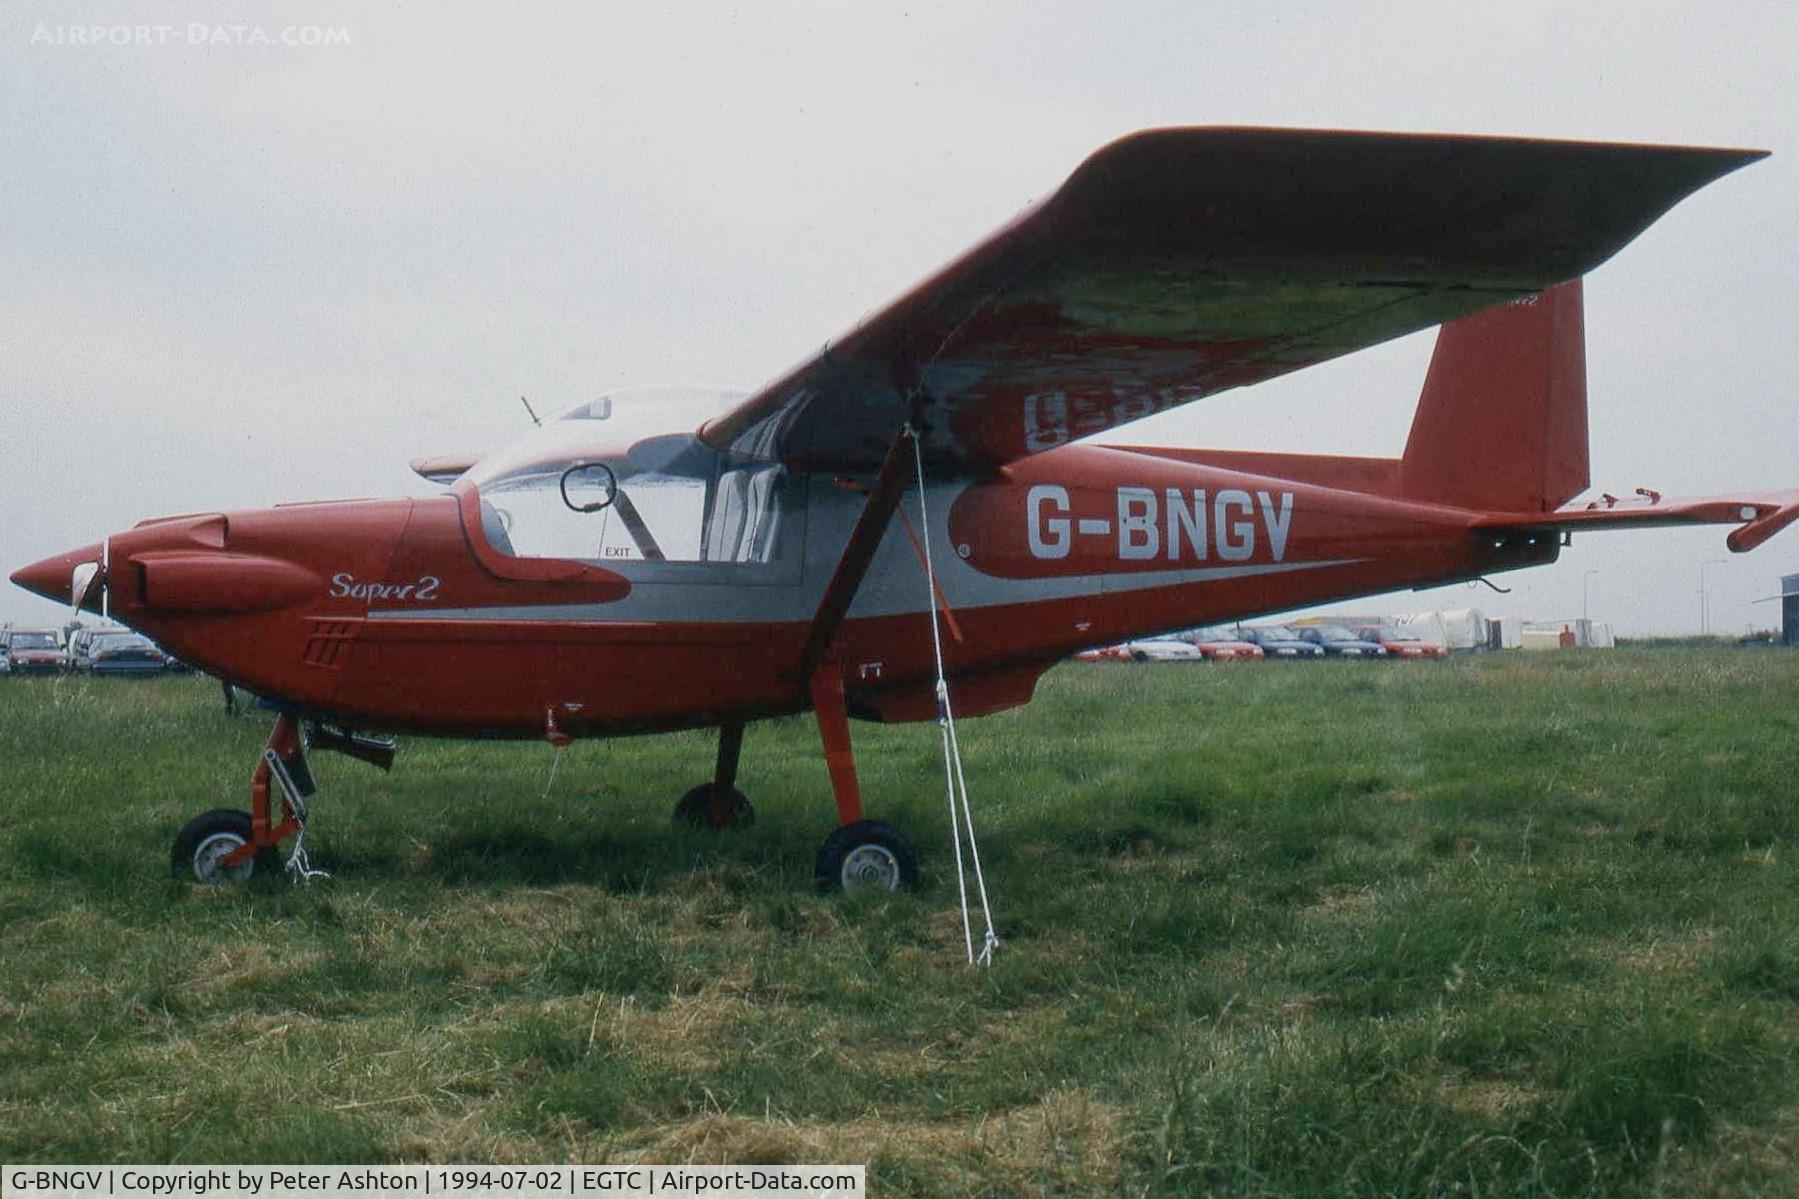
<point x="1178" y="263"/>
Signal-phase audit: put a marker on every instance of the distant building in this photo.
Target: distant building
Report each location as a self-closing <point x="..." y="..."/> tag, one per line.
<point x="1789" y="610"/>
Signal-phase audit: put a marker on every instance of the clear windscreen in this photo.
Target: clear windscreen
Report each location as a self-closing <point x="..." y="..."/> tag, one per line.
<point x="609" y="482"/>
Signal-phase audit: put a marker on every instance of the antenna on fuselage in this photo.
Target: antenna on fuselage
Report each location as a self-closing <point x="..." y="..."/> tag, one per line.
<point x="527" y="404"/>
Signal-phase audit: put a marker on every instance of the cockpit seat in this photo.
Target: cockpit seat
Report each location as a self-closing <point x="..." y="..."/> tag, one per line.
<point x="743" y="517"/>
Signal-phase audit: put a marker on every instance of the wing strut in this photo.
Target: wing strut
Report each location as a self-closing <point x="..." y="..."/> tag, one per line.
<point x="819" y="668"/>
<point x="877" y="512"/>
<point x="924" y="562"/>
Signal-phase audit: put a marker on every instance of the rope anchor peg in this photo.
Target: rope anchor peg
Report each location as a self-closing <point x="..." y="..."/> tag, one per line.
<point x="961" y="814"/>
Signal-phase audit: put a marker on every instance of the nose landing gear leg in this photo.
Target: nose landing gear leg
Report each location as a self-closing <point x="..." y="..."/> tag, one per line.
<point x="227" y="845"/>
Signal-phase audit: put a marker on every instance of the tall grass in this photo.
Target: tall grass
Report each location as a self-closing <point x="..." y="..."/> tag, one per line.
<point x="1501" y="926"/>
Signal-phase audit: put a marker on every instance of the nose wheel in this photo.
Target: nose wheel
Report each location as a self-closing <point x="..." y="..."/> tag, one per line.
<point x="204" y="844"/>
<point x="226" y="847"/>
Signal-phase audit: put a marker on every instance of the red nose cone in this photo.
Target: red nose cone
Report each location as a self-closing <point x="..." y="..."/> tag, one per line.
<point x="50" y="578"/>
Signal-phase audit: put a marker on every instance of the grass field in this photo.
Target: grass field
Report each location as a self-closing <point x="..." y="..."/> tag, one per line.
<point x="1501" y="926"/>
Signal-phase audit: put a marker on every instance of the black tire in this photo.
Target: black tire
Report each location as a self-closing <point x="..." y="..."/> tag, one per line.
<point x="695" y="810"/>
<point x="209" y="836"/>
<point x="866" y="854"/>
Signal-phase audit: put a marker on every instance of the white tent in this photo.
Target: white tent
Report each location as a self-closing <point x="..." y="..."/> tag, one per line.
<point x="1455" y="628"/>
<point x="1428" y="625"/>
<point x="1467" y="628"/>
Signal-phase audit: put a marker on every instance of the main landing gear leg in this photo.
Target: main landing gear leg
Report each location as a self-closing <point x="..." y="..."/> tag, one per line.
<point x="719" y="804"/>
<point x="860" y="853"/>
<point x="227" y="845"/>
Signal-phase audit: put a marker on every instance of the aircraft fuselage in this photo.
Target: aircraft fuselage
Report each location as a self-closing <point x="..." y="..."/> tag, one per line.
<point x="404" y="615"/>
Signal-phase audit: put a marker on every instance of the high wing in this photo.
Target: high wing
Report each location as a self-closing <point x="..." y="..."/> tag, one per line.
<point x="1178" y="263"/>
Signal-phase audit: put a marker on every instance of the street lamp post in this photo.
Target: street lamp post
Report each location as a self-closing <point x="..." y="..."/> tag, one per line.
<point x="1704" y="616"/>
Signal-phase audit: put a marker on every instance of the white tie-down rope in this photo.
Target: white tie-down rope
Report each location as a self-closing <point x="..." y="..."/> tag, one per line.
<point x="299" y="865"/>
<point x="955" y="785"/>
<point x="554" y="763"/>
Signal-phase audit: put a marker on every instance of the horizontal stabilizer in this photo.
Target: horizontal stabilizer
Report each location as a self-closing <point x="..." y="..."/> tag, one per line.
<point x="1759" y="516"/>
<point x="445" y="468"/>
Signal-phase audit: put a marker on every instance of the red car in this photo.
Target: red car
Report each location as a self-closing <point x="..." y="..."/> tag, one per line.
<point x="1223" y="645"/>
<point x="1405" y="643"/>
<point x="36" y="651"/>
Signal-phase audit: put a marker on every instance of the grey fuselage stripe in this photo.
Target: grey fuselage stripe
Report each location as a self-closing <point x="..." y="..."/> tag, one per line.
<point x="702" y="602"/>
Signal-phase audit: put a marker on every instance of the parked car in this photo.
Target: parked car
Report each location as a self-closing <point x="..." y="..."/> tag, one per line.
<point x="82" y="638"/>
<point x="1161" y="649"/>
<point x="1223" y="645"/>
<point x="1279" y="641"/>
<point x="1339" y="642"/>
<point x="1406" y="643"/>
<point x="121" y="651"/>
<point x="36" y="651"/>
<point x="1105" y="653"/>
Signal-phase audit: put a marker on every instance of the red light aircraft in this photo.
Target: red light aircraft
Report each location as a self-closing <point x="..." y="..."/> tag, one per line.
<point x="663" y="560"/>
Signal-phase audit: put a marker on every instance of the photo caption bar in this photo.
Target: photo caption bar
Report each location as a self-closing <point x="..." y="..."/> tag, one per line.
<point x="454" y="1182"/>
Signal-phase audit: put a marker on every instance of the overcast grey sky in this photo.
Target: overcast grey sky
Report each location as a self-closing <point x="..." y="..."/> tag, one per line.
<point x="235" y="273"/>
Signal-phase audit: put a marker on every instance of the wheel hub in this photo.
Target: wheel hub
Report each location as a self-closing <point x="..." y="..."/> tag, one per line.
<point x="871" y="866"/>
<point x="212" y="851"/>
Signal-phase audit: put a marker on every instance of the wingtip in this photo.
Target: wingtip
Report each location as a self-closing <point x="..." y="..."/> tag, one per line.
<point x="1762" y="526"/>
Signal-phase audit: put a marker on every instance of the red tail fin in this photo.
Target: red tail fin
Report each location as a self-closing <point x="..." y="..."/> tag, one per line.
<point x="1502" y="423"/>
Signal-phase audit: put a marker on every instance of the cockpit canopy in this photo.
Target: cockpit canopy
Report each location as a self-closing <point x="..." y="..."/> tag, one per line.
<point x="624" y="479"/>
